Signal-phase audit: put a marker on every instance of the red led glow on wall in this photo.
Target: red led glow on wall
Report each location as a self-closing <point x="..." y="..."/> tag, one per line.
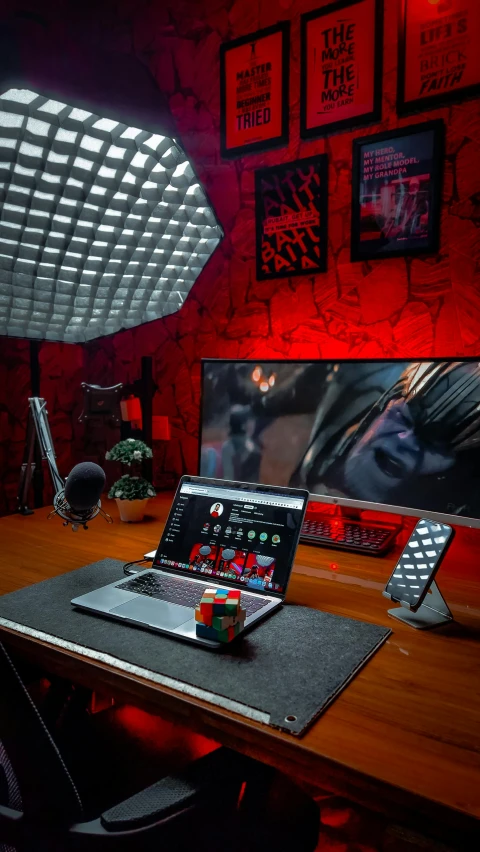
<point x="397" y="307"/>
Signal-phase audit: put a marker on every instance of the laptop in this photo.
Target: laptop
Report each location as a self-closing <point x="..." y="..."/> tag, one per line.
<point x="219" y="534"/>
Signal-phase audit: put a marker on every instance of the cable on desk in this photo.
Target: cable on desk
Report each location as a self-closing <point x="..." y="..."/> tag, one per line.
<point x="135" y="562"/>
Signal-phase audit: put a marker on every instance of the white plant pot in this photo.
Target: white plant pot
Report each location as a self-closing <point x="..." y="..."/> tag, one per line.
<point x="131" y="511"/>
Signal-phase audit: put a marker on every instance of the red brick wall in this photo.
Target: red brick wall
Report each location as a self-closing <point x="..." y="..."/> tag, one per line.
<point x="14" y="392"/>
<point x="61" y="367"/>
<point x="402" y="307"/>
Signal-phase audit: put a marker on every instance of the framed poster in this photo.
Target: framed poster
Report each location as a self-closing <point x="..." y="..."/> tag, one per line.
<point x="438" y="53"/>
<point x="254" y="79"/>
<point x="291" y="218"/>
<point x="341" y="67"/>
<point x="396" y="192"/>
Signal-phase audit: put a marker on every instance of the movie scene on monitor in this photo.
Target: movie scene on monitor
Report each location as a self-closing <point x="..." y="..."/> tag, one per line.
<point x="401" y="433"/>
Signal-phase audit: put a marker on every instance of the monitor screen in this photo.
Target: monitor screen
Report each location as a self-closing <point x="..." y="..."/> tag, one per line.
<point x="246" y="535"/>
<point x="402" y="435"/>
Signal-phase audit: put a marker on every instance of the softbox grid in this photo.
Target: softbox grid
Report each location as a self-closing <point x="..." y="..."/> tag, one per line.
<point x="102" y="226"/>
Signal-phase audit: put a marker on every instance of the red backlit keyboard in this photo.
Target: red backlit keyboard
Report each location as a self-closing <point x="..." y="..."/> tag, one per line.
<point x="350" y="535"/>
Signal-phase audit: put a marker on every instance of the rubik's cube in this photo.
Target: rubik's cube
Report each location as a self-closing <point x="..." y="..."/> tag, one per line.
<point x="219" y="615"/>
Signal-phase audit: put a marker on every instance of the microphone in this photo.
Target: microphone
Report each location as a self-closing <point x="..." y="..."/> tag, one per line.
<point x="79" y="501"/>
<point x="84" y="486"/>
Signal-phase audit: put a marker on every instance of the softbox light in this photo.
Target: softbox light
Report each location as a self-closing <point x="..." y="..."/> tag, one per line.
<point x="103" y="225"/>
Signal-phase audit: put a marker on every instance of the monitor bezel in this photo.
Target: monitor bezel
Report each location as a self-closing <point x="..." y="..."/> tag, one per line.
<point x="346" y="502"/>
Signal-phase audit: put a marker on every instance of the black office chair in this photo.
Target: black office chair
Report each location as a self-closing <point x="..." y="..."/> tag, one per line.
<point x="41" y="809"/>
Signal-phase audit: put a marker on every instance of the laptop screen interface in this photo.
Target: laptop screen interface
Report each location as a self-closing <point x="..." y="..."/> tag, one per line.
<point x="244" y="537"/>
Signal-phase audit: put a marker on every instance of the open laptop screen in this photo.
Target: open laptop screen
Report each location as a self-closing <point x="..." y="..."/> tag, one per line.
<point x="242" y="534"/>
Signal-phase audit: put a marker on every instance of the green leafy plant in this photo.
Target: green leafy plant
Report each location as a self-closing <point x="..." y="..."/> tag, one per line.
<point x="131" y="453"/>
<point x="131" y="488"/>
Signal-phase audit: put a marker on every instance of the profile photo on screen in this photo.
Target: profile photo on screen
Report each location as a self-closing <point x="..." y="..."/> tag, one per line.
<point x="216" y="510"/>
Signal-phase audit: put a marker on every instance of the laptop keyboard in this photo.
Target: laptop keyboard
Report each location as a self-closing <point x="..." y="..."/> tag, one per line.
<point x="175" y="591"/>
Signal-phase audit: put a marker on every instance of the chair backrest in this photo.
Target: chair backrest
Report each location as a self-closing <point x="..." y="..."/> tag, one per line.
<point x="34" y="774"/>
<point x="10" y="796"/>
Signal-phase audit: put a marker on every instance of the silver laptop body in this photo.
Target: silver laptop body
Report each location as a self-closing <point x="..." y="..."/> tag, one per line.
<point x="163" y="598"/>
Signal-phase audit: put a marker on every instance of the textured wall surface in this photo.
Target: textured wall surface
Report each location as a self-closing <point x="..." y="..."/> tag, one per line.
<point x="61" y="368"/>
<point x="14" y="392"/>
<point x="398" y="307"/>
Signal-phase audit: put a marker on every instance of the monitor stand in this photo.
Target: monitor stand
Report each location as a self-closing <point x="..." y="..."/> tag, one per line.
<point x="433" y="612"/>
<point x="348" y="513"/>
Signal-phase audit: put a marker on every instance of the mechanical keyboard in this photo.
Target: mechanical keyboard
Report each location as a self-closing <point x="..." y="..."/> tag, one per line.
<point x="183" y="592"/>
<point x="349" y="535"/>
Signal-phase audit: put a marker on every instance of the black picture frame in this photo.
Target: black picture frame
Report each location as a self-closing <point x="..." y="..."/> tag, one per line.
<point x="434" y="198"/>
<point x="265" y="144"/>
<point x="298" y="268"/>
<point x="364" y="119"/>
<point x="443" y="98"/>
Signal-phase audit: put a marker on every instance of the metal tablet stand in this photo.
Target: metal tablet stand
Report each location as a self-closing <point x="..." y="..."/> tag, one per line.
<point x="432" y="612"/>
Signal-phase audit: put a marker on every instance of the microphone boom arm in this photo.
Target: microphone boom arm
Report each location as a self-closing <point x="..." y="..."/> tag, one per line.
<point x="38" y="426"/>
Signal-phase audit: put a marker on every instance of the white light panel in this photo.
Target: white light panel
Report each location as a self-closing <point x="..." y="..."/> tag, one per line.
<point x="102" y="226"/>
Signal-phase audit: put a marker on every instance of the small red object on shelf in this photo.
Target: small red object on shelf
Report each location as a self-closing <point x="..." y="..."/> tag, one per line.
<point x="160" y="428"/>
<point x="131" y="409"/>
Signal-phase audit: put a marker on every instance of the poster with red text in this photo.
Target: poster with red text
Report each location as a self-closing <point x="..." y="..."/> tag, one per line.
<point x="291" y="218"/>
<point x="396" y="192"/>
<point x="254" y="91"/>
<point x="439" y="53"/>
<point x="341" y="66"/>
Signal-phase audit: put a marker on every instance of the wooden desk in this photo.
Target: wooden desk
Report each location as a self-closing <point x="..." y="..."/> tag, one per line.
<point x="404" y="736"/>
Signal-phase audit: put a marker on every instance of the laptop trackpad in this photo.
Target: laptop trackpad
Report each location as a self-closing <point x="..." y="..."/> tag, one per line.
<point x="153" y="612"/>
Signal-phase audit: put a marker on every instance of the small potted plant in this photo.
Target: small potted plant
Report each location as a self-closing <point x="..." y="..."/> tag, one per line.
<point x="131" y="492"/>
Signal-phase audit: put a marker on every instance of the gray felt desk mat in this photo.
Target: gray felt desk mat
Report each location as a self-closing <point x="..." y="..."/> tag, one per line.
<point x="292" y="664"/>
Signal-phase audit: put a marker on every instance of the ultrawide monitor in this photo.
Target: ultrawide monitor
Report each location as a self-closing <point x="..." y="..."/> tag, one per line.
<point x="399" y="436"/>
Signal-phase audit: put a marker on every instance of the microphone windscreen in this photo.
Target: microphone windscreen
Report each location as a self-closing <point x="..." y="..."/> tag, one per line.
<point x="84" y="486"/>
